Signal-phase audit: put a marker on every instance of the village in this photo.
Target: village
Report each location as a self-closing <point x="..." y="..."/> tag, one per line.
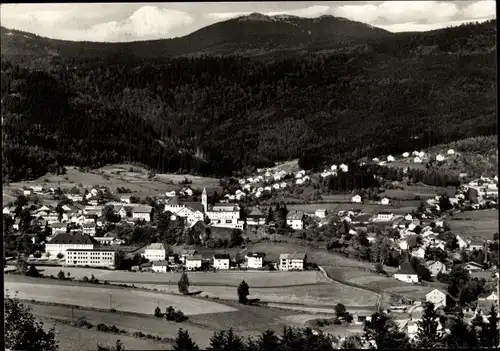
<point x="76" y="231"/>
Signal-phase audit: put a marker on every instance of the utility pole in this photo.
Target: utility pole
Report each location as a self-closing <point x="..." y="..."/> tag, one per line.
<point x="72" y="313"/>
<point x="110" y="300"/>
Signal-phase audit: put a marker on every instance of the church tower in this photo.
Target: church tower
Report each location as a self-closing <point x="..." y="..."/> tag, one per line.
<point x="204" y="200"/>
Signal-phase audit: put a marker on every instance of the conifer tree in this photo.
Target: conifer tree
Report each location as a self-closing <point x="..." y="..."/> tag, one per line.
<point x="493" y="334"/>
<point x="243" y="292"/>
<point x="183" y="342"/>
<point x="428" y="335"/>
<point x="183" y="284"/>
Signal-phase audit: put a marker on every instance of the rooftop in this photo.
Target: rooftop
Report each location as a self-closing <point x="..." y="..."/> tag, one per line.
<point x="194" y="258"/>
<point x="256" y="254"/>
<point x="156" y="246"/>
<point x="295" y="215"/>
<point x="91" y="250"/>
<point x="160" y="263"/>
<point x="221" y="256"/>
<point x="292" y="256"/>
<point x="76" y="238"/>
<point x="406" y="268"/>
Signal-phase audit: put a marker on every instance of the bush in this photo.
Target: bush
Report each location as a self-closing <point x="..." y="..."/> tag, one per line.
<point x="102" y="328"/>
<point x="82" y="323"/>
<point x="60" y="255"/>
<point x="139" y="335"/>
<point x="157" y="312"/>
<point x="175" y="316"/>
<point x="37" y="255"/>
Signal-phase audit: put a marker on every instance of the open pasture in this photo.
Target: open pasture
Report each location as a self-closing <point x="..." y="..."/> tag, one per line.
<point x="336" y="198"/>
<point x="230" y="278"/>
<point x="132" y="177"/>
<point x="475" y="225"/>
<point x="410" y="192"/>
<point x="129" y="300"/>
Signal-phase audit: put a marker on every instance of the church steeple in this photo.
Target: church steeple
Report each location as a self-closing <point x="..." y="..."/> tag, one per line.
<point x="204" y="200"/>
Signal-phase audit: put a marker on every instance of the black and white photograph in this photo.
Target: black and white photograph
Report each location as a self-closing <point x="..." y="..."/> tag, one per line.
<point x="244" y="176"/>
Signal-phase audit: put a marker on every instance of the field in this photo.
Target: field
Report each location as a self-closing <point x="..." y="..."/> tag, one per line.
<point x="401" y="207"/>
<point x="114" y="176"/>
<point x="410" y="192"/>
<point x="127" y="300"/>
<point x="475" y="225"/>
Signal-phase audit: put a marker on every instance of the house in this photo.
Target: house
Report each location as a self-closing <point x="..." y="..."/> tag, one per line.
<point x="58" y="228"/>
<point x="418" y="252"/>
<point x="385" y="201"/>
<point x="294" y="261"/>
<point x="193" y="262"/>
<point x="195" y="216"/>
<point x="475" y="245"/>
<point x="89" y="228"/>
<point x="450" y="152"/>
<point x="356" y="199"/>
<point x="295" y="219"/>
<point x="223" y="214"/>
<point x="256" y="217"/>
<point x="125" y="199"/>
<point x="142" y="213"/>
<point x="320" y="213"/>
<point x="473" y="267"/>
<point x="75" y="197"/>
<point x="159" y="266"/>
<point x="255" y="260"/>
<point x="99" y="257"/>
<point x="406" y="154"/>
<point x="417" y="160"/>
<point x="63" y="242"/>
<point x="436" y="267"/>
<point x="155" y="252"/>
<point x="37" y="188"/>
<point x="122" y="212"/>
<point x="462" y="244"/>
<point x="391" y="158"/>
<point x="485" y="301"/>
<point x="221" y="261"/>
<point x="384" y="216"/>
<point x="437" y="297"/>
<point x="406" y="273"/>
<point x="187" y="192"/>
<point x="9" y="210"/>
<point x="26" y="192"/>
<point x="440" y="158"/>
<point x="187" y="253"/>
<point x="170" y="193"/>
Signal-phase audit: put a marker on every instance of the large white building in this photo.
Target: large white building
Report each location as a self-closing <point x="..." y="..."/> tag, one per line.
<point x="406" y="273"/>
<point x="142" y="213"/>
<point x="64" y="241"/>
<point x="155" y="252"/>
<point x="295" y="219"/>
<point x="221" y="261"/>
<point x="193" y="262"/>
<point x="222" y="214"/>
<point x="255" y="260"/>
<point x="90" y="257"/>
<point x="293" y="261"/>
<point x="437" y="297"/>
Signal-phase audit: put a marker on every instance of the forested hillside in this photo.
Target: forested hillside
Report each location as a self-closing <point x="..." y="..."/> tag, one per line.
<point x="215" y="115"/>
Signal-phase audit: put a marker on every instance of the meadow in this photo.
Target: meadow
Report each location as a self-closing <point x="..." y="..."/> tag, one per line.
<point x="400" y="207"/>
<point x="128" y="300"/>
<point x="475" y="225"/>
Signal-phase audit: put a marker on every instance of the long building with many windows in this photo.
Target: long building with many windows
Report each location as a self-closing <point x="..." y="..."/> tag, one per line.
<point x="99" y="257"/>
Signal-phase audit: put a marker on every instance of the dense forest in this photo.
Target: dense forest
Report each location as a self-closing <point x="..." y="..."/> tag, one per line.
<point x="214" y="115"/>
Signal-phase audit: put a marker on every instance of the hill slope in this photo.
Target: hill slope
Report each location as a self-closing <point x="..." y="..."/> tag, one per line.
<point x="214" y="115"/>
<point x="251" y="35"/>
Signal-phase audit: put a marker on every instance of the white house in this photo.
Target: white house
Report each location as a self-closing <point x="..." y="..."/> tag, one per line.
<point x="298" y="182"/>
<point x="58" y="228"/>
<point x="437" y="297"/>
<point x="391" y="158"/>
<point x="462" y="244"/>
<point x="89" y="228"/>
<point x="63" y="242"/>
<point x="193" y="262"/>
<point x="170" y="193"/>
<point x="418" y="252"/>
<point x="417" y="160"/>
<point x="320" y="213"/>
<point x="221" y="261"/>
<point x="160" y="266"/>
<point x="385" y="201"/>
<point x="344" y="168"/>
<point x="406" y="154"/>
<point x="356" y="199"/>
<point x="440" y="158"/>
<point x="155" y="252"/>
<point x="254" y="260"/>
<point x="295" y="219"/>
<point x="142" y="213"/>
<point x="384" y="216"/>
<point x="473" y="267"/>
<point x="293" y="261"/>
<point x="436" y="267"/>
<point x="125" y="199"/>
<point x="406" y="273"/>
<point x="451" y="152"/>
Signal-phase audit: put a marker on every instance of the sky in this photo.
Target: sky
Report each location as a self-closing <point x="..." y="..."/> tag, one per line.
<point x="114" y="22"/>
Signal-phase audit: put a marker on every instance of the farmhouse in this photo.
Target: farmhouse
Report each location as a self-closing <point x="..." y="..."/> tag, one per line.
<point x="437" y="297"/>
<point x="473" y="267"/>
<point x="58" y="228"/>
<point x="436" y="267"/>
<point x="63" y="242"/>
<point x="221" y="261"/>
<point x="356" y="199"/>
<point x="254" y="260"/>
<point x="193" y="262"/>
<point x="320" y="213"/>
<point x="74" y="197"/>
<point x="385" y="201"/>
<point x="384" y="216"/>
<point x="155" y="252"/>
<point x="294" y="261"/>
<point x="142" y="213"/>
<point x="406" y="273"/>
<point x="160" y="266"/>
<point x="256" y="217"/>
<point x="90" y="257"/>
<point x="485" y="301"/>
<point x="295" y="219"/>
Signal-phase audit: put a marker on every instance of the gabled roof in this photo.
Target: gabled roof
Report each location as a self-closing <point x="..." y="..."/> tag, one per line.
<point x="295" y="215"/>
<point x="142" y="209"/>
<point x="255" y="213"/>
<point x="196" y="206"/>
<point x="156" y="246"/>
<point x="221" y="256"/>
<point x="173" y="201"/>
<point x="292" y="256"/>
<point x="76" y="238"/>
<point x="194" y="258"/>
<point x="406" y="268"/>
<point x="189" y="252"/>
<point x="160" y="263"/>
<point x="256" y="254"/>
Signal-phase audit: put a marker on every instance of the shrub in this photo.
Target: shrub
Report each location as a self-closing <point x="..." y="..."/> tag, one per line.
<point x="175" y="316"/>
<point x="60" y="255"/>
<point x="37" y="255"/>
<point x="157" y="312"/>
<point x="139" y="335"/>
<point x="102" y="327"/>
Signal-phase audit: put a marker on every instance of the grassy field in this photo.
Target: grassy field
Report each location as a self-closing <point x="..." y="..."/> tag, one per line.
<point x="401" y="207"/>
<point x="410" y="192"/>
<point x="475" y="225"/>
<point x="129" y="300"/>
<point x="77" y="339"/>
<point x="114" y="176"/>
